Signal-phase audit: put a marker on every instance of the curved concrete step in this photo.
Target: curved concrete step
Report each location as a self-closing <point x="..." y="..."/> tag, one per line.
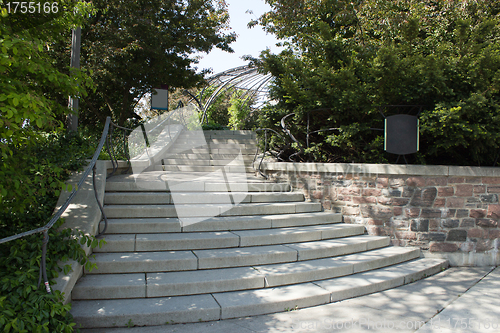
<point x="190" y="150"/>
<point x="232" y="256"/>
<point x="194" y="184"/>
<point x="222" y="239"/>
<point x="187" y="156"/>
<point x="207" y="150"/>
<point x="222" y="223"/>
<point x="207" y="161"/>
<point x="209" y="210"/>
<point x="137" y="285"/>
<point x="186" y="161"/>
<point x="219" y="134"/>
<point x="147" y="198"/>
<point x="204" y="168"/>
<point x="236" y="140"/>
<point x="234" y="304"/>
<point x="186" y="144"/>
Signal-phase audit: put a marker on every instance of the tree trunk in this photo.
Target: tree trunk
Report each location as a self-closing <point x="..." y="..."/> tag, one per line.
<point x="125" y="109"/>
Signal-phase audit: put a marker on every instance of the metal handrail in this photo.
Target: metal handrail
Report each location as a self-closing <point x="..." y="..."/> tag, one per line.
<point x="308" y="132"/>
<point x="265" y="150"/>
<point x="105" y="139"/>
<point x="45" y="229"/>
<point x="110" y="148"/>
<point x="287" y="131"/>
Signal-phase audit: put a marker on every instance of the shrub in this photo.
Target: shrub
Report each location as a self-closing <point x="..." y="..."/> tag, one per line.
<point x="350" y="58"/>
<point x="40" y="171"/>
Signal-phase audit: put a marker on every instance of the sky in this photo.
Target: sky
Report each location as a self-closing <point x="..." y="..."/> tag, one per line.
<point x="248" y="42"/>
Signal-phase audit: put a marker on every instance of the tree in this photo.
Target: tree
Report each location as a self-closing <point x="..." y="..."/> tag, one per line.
<point x="34" y="159"/>
<point x="31" y="88"/>
<point x="350" y="57"/>
<point x="135" y="46"/>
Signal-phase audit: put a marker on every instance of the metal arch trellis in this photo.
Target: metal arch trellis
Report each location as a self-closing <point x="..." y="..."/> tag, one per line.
<point x="252" y="84"/>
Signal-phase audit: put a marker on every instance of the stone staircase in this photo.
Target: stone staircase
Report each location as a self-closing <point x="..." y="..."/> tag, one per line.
<point x="272" y="252"/>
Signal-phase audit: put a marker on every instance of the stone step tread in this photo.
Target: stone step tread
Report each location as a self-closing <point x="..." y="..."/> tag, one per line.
<point x="209" y="136"/>
<point x="271" y="254"/>
<point x="210" y="144"/>
<point x="147" y="311"/>
<point x="206" y="161"/>
<point x="126" y="198"/>
<point x="154" y="261"/>
<point x="219" y="132"/>
<point x="329" y="267"/>
<point x="256" y="302"/>
<point x="133" y="262"/>
<point x="209" y="210"/>
<point x="337" y="247"/>
<point x="208" y="168"/>
<point x="226" y="223"/>
<point x="234" y="304"/>
<point x="222" y="239"/>
<point x="218" y="140"/>
<point x="202" y="162"/>
<point x="215" y="151"/>
<point x="188" y="156"/>
<point x="158" y="284"/>
<point x="297" y="234"/>
<point x="143" y="225"/>
<point x="195" y="184"/>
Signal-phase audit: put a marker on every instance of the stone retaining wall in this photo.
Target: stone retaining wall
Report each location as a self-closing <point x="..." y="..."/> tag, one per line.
<point x="451" y="212"/>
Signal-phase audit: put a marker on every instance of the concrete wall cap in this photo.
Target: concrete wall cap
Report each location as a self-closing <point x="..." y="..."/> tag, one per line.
<point x="82" y="214"/>
<point x="385" y="169"/>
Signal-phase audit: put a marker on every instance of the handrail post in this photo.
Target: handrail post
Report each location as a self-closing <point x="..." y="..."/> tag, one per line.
<point x="111" y="150"/>
<point x="265" y="149"/>
<point x="125" y="151"/>
<point x="43" y="265"/>
<point x="45" y="229"/>
<point x="99" y="233"/>
<point x="108" y="150"/>
<point x="263" y="155"/>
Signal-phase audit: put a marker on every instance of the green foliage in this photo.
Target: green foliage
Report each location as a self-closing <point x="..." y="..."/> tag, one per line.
<point x="133" y="47"/>
<point x="238" y="111"/>
<point x="349" y="58"/>
<point x="24" y="306"/>
<point x="31" y="86"/>
<point x="217" y="112"/>
<point x="229" y="109"/>
<point x="36" y="157"/>
<point x="130" y="323"/>
<point x="33" y="176"/>
<point x="33" y="187"/>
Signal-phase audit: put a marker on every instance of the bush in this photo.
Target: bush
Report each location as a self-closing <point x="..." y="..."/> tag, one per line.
<point x="350" y="58"/>
<point x="32" y="188"/>
<point x="40" y="171"/>
<point x="25" y="307"/>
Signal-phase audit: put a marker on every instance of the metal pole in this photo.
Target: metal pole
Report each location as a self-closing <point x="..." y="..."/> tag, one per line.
<point x="72" y="118"/>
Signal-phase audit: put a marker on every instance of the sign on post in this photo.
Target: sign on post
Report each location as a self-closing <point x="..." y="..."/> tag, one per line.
<point x="159" y="98"/>
<point x="401" y="134"/>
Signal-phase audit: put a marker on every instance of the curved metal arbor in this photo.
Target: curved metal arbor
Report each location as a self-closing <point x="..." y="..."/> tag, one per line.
<point x="252" y="84"/>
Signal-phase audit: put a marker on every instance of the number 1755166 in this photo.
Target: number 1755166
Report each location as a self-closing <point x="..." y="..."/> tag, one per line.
<point x="25" y="7"/>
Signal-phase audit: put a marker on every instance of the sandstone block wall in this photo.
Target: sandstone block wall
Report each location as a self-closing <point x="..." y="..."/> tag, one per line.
<point x="451" y="212"/>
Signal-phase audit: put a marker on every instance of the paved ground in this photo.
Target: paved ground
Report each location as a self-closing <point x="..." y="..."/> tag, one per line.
<point x="460" y="299"/>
